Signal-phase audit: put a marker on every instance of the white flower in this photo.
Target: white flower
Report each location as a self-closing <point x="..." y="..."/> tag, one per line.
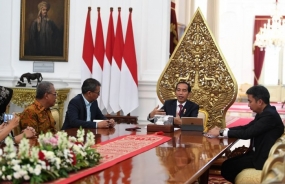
<point x="89" y="140"/>
<point x="15" y="162"/>
<point x="80" y="135"/>
<point x="72" y="139"/>
<point x="26" y="177"/>
<point x="34" y="154"/>
<point x="43" y="164"/>
<point x="11" y="155"/>
<point x="57" y="162"/>
<point x="3" y="177"/>
<point x="23" y="172"/>
<point x="48" y="154"/>
<point x="16" y="167"/>
<point x="16" y="175"/>
<point x="24" y="148"/>
<point x="31" y="170"/>
<point x="1" y="152"/>
<point x="38" y="170"/>
<point x="9" y="177"/>
<point x="80" y="139"/>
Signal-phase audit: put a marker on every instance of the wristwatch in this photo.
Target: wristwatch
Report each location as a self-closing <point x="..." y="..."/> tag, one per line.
<point x="222" y="132"/>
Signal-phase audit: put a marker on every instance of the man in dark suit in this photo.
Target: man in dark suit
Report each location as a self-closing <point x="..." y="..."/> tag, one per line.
<point x="83" y="109"/>
<point x="180" y="107"/>
<point x="263" y="131"/>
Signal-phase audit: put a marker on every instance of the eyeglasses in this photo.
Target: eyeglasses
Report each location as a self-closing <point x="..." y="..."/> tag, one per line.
<point x="54" y="94"/>
<point x="97" y="92"/>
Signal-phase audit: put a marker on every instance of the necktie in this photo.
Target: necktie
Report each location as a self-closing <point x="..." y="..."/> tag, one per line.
<point x="180" y="110"/>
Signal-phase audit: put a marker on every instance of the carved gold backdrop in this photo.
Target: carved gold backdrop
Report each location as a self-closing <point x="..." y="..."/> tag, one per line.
<point x="198" y="60"/>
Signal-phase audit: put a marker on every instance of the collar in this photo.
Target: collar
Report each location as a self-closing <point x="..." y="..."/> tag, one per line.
<point x="39" y="106"/>
<point x="86" y="101"/>
<point x="177" y="103"/>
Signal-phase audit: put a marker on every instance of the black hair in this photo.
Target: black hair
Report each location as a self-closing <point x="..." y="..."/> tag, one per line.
<point x="89" y="84"/>
<point x="183" y="82"/>
<point x="259" y="92"/>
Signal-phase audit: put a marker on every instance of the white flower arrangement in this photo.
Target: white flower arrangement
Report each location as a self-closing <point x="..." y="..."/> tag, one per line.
<point x="55" y="157"/>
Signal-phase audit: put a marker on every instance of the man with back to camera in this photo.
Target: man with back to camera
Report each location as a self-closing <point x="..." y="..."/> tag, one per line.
<point x="180" y="107"/>
<point x="263" y="132"/>
<point x="83" y="108"/>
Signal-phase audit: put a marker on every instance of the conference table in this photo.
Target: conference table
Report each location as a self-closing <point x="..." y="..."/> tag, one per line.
<point x="185" y="158"/>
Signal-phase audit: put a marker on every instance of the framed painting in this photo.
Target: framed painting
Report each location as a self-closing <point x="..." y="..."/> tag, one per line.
<point x="44" y="30"/>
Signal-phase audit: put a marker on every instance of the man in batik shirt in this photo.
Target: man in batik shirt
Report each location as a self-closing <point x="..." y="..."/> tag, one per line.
<point x="38" y="114"/>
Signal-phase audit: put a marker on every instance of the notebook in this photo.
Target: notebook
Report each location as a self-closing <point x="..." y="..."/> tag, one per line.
<point x="192" y="124"/>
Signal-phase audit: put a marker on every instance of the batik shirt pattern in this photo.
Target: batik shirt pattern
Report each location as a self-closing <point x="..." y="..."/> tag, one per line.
<point x="38" y="117"/>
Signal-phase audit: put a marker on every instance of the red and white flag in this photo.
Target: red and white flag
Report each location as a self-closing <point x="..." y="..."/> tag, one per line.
<point x="129" y="76"/>
<point x="107" y="64"/>
<point x="99" y="53"/>
<point x="116" y="65"/>
<point x="88" y="48"/>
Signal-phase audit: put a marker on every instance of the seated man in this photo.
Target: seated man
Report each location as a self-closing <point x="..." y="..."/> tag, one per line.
<point x="83" y="109"/>
<point x="38" y="114"/>
<point x="263" y="132"/>
<point x="180" y="107"/>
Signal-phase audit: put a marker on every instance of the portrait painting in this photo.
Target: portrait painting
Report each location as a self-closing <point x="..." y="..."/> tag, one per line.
<point x="44" y="30"/>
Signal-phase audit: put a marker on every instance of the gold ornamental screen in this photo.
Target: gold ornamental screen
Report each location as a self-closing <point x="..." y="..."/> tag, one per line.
<point x="199" y="61"/>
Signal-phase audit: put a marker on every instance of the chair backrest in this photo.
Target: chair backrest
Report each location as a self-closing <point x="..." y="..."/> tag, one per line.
<point x="198" y="60"/>
<point x="274" y="169"/>
<point x="277" y="148"/>
<point x="244" y="87"/>
<point x="55" y="115"/>
<point x="203" y="114"/>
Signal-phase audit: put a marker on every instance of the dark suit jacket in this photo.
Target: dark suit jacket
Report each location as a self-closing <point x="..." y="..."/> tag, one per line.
<point x="76" y="114"/>
<point x="263" y="131"/>
<point x="191" y="109"/>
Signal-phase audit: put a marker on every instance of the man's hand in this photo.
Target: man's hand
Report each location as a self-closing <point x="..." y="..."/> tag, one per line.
<point x="214" y="131"/>
<point x="106" y="124"/>
<point x="112" y="123"/>
<point x="177" y="120"/>
<point x="29" y="132"/>
<point x="156" y="111"/>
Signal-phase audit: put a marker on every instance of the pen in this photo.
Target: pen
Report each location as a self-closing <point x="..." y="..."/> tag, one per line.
<point x="184" y="111"/>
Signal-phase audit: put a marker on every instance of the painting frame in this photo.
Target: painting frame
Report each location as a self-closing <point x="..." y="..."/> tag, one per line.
<point x="53" y="46"/>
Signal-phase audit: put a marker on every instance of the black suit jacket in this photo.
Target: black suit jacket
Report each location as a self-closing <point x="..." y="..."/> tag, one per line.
<point x="190" y="109"/>
<point x="263" y="131"/>
<point x="76" y="114"/>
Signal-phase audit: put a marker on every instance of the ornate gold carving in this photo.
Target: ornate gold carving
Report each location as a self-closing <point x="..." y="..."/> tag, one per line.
<point x="198" y="60"/>
<point x="25" y="96"/>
